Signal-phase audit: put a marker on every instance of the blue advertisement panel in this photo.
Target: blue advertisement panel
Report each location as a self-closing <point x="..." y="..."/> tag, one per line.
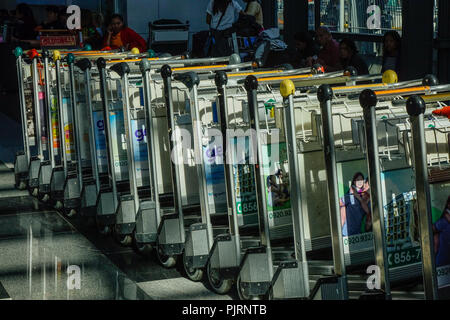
<point x="100" y="141"/>
<point x="140" y="152"/>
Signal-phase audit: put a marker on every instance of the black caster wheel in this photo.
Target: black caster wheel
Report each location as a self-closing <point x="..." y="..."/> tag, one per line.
<point x="192" y="273"/>
<point x="219" y="285"/>
<point x="166" y="261"/>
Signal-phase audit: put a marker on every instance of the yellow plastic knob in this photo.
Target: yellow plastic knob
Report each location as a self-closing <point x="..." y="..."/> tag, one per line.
<point x="287" y="88"/>
<point x="389" y="76"/>
<point x="135" y="51"/>
<point x="56" y="55"/>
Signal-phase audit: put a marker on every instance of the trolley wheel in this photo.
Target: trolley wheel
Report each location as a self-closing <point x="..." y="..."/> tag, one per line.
<point x="123" y="239"/>
<point x="166" y="261"/>
<point x="58" y="205"/>
<point x="22" y="185"/>
<point x="220" y="286"/>
<point x="35" y="203"/>
<point x="193" y="274"/>
<point x="102" y="229"/>
<point x="45" y="198"/>
<point x="145" y="249"/>
<point x="70" y="213"/>
<point x="241" y="293"/>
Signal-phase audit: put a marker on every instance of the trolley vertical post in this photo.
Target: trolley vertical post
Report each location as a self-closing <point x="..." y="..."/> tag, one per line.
<point x="23" y="109"/>
<point x="368" y="101"/>
<point x="251" y="85"/>
<point x="122" y="69"/>
<point x="62" y="143"/>
<point x="287" y="90"/>
<point x="415" y="106"/>
<point x="85" y="66"/>
<point x="46" y="55"/>
<point x="101" y="65"/>
<point x="77" y="136"/>
<point x="37" y="110"/>
<point x="325" y="95"/>
<point x="197" y="128"/>
<point x="166" y="73"/>
<point x="221" y="81"/>
<point x="151" y="149"/>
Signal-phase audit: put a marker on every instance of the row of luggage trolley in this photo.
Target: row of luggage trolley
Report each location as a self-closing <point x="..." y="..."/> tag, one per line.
<point x="241" y="173"/>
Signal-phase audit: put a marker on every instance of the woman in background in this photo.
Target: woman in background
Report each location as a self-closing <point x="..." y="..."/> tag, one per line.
<point x="441" y="230"/>
<point x="391" y="51"/>
<point x="118" y="35"/>
<point x="254" y="9"/>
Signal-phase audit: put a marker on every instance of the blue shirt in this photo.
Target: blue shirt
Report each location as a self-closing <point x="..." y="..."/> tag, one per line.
<point x="443" y="254"/>
<point x="354" y="215"/>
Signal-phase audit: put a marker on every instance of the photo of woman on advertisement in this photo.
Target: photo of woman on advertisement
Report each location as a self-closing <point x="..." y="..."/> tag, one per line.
<point x="355" y="205"/>
<point x="441" y="230"/>
<point x="278" y="192"/>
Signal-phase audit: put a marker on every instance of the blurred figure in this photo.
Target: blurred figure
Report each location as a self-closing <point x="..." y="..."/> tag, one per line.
<point x="348" y="55"/>
<point x="441" y="230"/>
<point x="92" y="32"/>
<point x="253" y="8"/>
<point x="220" y="16"/>
<point x="62" y="17"/>
<point x="26" y="23"/>
<point x="118" y="35"/>
<point x="52" y="22"/>
<point x="329" y="53"/>
<point x="304" y="47"/>
<point x="391" y="51"/>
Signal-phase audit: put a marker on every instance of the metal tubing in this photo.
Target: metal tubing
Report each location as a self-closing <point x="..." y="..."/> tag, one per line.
<point x="101" y="65"/>
<point x="49" y="110"/>
<point x="151" y="142"/>
<point x="368" y="101"/>
<point x="166" y="74"/>
<point x="416" y="109"/>
<point x="129" y="140"/>
<point x="87" y="77"/>
<point x="297" y="217"/>
<point x="37" y="109"/>
<point x="251" y="85"/>
<point x="77" y="138"/>
<point x="221" y="81"/>
<point x="62" y="140"/>
<point x="23" y="108"/>
<point x="325" y="95"/>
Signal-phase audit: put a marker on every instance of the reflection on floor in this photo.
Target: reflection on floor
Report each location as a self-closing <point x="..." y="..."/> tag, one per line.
<point x="45" y="256"/>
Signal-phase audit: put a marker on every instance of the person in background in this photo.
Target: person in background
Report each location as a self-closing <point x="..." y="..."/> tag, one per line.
<point x="62" y="17"/>
<point x="391" y="51"/>
<point x="25" y="29"/>
<point x="329" y="53"/>
<point x="348" y="55"/>
<point x="441" y="230"/>
<point x="354" y="206"/>
<point x="304" y="47"/>
<point x="220" y="16"/>
<point x="118" y="35"/>
<point x="52" y="22"/>
<point x="92" y="31"/>
<point x="253" y="8"/>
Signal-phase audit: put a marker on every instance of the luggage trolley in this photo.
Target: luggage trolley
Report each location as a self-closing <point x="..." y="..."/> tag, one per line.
<point x="361" y="252"/>
<point x="396" y="217"/>
<point x="34" y="123"/>
<point x="220" y="261"/>
<point x="117" y="85"/>
<point x="432" y="186"/>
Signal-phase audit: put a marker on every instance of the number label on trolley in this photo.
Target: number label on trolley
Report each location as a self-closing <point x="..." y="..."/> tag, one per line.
<point x="404" y="257"/>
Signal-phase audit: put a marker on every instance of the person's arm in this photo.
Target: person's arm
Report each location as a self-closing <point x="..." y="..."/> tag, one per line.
<point x="343" y="212"/>
<point x="252" y="9"/>
<point x="209" y="12"/>
<point x="107" y="41"/>
<point x="361" y="201"/>
<point x="208" y="19"/>
<point x="134" y="40"/>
